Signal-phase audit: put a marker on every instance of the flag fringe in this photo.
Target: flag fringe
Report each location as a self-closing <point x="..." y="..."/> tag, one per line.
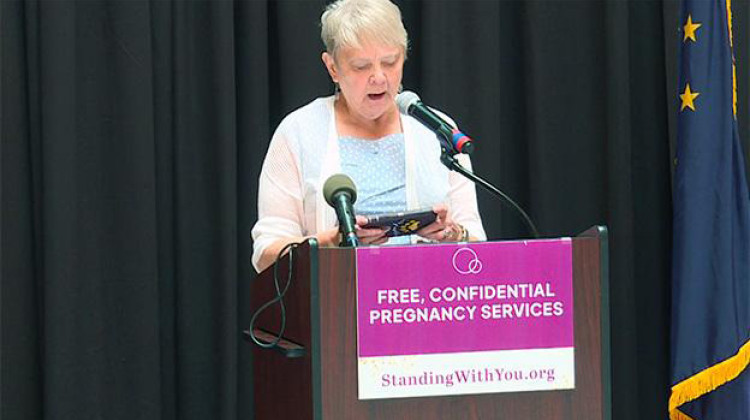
<point x="707" y="380"/>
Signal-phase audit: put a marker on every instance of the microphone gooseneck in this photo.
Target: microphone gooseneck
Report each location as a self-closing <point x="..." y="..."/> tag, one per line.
<point x="340" y="193"/>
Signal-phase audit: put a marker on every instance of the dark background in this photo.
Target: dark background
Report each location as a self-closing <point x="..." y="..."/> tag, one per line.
<point x="133" y="133"/>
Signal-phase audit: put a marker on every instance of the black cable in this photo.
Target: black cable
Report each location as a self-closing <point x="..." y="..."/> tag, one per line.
<point x="278" y="298"/>
<point x="450" y="161"/>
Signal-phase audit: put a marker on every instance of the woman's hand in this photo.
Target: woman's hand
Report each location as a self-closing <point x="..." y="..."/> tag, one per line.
<point x="374" y="236"/>
<point x="332" y="237"/>
<point x="443" y="229"/>
<point x="329" y="237"/>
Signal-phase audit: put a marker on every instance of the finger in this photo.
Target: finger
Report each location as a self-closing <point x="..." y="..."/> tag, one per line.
<point x="430" y="234"/>
<point x="431" y="229"/>
<point x="374" y="240"/>
<point x="379" y="241"/>
<point x="441" y="210"/>
<point x="370" y="233"/>
<point x="445" y="233"/>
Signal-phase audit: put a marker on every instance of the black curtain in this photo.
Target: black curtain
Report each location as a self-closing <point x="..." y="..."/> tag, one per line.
<point x="133" y="134"/>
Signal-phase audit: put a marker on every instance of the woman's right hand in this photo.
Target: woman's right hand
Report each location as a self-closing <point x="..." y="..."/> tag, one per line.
<point x="328" y="237"/>
<point x="373" y="236"/>
<point x="332" y="237"/>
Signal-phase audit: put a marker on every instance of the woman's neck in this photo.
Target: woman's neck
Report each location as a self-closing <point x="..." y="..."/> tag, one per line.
<point x="348" y="124"/>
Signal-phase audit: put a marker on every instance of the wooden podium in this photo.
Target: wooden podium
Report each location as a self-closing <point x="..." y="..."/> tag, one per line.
<point x="318" y="378"/>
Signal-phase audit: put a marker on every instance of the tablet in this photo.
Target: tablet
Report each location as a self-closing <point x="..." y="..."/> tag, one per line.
<point x="402" y="223"/>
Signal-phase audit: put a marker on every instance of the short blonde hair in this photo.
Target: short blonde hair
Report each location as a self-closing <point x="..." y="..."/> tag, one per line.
<point x="347" y="23"/>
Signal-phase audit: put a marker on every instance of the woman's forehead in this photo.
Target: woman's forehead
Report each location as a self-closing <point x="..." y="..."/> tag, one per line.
<point x="369" y="51"/>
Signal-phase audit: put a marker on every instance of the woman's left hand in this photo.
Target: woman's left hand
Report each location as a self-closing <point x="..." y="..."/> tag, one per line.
<point x="443" y="229"/>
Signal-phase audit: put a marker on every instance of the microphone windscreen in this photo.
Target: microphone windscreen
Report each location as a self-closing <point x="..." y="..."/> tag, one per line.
<point x="339" y="183"/>
<point x="405" y="100"/>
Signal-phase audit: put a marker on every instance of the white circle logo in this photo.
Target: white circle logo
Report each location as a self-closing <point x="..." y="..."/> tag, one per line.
<point x="467" y="263"/>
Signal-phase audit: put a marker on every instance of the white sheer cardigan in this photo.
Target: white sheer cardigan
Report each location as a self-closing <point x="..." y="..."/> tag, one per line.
<point x="304" y="152"/>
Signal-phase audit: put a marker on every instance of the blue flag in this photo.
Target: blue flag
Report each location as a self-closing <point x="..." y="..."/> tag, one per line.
<point x="711" y="251"/>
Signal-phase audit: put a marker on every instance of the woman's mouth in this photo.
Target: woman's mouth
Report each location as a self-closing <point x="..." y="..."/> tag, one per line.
<point x="376" y="96"/>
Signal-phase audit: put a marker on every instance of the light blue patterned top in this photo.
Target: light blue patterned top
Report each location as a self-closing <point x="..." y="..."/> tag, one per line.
<point x="378" y="169"/>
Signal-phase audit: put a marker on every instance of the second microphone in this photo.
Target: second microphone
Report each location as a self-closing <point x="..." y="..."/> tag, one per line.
<point x="341" y="194"/>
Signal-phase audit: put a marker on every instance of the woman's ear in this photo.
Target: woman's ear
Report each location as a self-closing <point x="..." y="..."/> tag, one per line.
<point x="330" y="66"/>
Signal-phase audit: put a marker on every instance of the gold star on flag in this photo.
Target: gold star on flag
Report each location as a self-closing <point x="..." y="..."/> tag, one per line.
<point x="687" y="98"/>
<point x="690" y="29"/>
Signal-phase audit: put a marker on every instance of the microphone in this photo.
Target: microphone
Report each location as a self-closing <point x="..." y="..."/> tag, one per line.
<point x="409" y="103"/>
<point x="340" y="193"/>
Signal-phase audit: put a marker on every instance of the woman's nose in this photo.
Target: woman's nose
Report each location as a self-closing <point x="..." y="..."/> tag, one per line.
<point x="377" y="77"/>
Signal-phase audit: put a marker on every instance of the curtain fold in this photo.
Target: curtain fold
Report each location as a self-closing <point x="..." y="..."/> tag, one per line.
<point x="133" y="133"/>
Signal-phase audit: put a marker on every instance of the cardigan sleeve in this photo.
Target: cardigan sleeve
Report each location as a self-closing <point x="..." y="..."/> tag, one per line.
<point x="280" y="208"/>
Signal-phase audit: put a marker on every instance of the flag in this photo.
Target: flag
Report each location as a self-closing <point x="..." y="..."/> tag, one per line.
<point x="710" y="335"/>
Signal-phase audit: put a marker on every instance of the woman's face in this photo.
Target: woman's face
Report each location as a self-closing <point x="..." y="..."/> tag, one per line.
<point x="369" y="77"/>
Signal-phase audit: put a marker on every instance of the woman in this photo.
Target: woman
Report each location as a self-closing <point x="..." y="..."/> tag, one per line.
<point x="392" y="158"/>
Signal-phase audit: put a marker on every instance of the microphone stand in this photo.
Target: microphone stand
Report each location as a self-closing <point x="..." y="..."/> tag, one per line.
<point x="448" y="159"/>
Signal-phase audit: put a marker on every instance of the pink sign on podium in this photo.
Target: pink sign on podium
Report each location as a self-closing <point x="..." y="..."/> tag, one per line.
<point x="465" y="318"/>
